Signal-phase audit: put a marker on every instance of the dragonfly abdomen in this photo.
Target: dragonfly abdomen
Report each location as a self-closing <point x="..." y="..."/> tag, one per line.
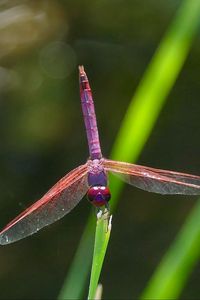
<point x="89" y="115"/>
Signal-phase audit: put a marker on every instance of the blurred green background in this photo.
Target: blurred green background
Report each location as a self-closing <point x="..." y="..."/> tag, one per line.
<point x="42" y="136"/>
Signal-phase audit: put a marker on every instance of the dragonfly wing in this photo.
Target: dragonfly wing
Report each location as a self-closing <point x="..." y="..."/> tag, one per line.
<point x="57" y="202"/>
<point x="155" y="180"/>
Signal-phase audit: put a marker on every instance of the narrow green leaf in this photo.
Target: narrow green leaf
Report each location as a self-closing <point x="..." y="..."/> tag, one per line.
<point x="103" y="229"/>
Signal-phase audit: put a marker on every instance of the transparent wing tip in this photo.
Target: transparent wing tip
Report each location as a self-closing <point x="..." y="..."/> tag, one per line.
<point x="4" y="240"/>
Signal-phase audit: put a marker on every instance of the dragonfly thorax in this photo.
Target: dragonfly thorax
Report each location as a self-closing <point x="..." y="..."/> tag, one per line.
<point x="99" y="195"/>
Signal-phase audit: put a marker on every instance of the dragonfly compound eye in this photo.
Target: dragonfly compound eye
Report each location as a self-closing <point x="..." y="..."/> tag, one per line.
<point x="98" y="195"/>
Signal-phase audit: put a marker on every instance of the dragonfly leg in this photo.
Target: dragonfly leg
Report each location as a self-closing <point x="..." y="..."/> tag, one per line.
<point x="107" y="206"/>
<point x="103" y="212"/>
<point x="106" y="212"/>
<point x="99" y="213"/>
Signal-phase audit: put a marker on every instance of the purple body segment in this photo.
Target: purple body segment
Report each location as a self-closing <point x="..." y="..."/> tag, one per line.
<point x="89" y="115"/>
<point x="96" y="173"/>
<point x="97" y="179"/>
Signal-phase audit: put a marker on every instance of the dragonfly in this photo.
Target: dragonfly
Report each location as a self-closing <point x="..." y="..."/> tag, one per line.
<point x="91" y="179"/>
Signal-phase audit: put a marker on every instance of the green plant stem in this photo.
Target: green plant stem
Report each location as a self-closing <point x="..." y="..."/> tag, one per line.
<point x="103" y="229"/>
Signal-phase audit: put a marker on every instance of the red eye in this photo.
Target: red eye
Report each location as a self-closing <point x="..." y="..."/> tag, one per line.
<point x="99" y="195"/>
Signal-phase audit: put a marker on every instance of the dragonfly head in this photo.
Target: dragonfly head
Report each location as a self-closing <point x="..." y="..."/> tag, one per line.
<point x="99" y="195"/>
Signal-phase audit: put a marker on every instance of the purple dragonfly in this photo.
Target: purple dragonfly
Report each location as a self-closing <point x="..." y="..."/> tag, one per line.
<point x="91" y="179"/>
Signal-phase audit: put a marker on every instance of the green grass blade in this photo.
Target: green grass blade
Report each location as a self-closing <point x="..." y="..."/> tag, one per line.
<point x="144" y="109"/>
<point x="103" y="229"/>
<point x="171" y="275"/>
<point x="157" y="82"/>
<point x="155" y="86"/>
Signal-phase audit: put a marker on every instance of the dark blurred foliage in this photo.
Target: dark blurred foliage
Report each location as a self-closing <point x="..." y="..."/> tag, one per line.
<point x="42" y="135"/>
